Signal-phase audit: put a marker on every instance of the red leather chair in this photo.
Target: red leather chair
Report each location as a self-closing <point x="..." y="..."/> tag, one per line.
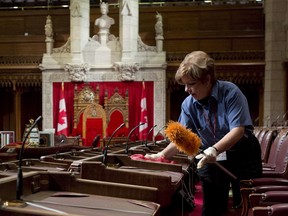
<point x="268" y="198"/>
<point x="266" y="142"/>
<point x="273" y="210"/>
<point x="274" y="172"/>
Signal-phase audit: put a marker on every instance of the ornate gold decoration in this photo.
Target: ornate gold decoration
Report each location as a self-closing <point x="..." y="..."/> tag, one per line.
<point x="117" y="102"/>
<point x="83" y="98"/>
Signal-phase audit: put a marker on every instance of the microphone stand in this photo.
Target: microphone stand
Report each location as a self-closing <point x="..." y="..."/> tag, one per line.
<point x="19" y="184"/>
<point x="63" y="137"/>
<point x="105" y="152"/>
<point x="158" y="133"/>
<point x="146" y="142"/>
<point x="128" y="137"/>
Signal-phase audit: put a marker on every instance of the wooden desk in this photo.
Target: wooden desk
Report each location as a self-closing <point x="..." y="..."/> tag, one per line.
<point x="35" y="152"/>
<point x="64" y="193"/>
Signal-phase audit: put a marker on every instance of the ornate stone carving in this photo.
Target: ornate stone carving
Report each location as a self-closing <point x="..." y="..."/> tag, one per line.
<point x="142" y="47"/>
<point x="75" y="9"/>
<point x="126" y="72"/>
<point x="18" y="80"/>
<point x="20" y="61"/>
<point x="77" y="72"/>
<point x="66" y="48"/>
<point x="48" y="28"/>
<point x="49" y="35"/>
<point x="159" y="26"/>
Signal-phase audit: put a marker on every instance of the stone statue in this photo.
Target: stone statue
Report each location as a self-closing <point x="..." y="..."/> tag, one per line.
<point x="49" y="35"/>
<point x="48" y="27"/>
<point x="104" y="22"/>
<point x="159" y="25"/>
<point x="159" y="32"/>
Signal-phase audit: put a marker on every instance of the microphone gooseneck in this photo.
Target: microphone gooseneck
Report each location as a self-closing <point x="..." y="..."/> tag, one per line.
<point x="151" y="129"/>
<point x="19" y="186"/>
<point x="105" y="152"/>
<point x="158" y="133"/>
<point x="128" y="137"/>
<point x="62" y="140"/>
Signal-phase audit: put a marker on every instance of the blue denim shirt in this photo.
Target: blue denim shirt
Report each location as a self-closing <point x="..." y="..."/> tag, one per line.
<point x="226" y="109"/>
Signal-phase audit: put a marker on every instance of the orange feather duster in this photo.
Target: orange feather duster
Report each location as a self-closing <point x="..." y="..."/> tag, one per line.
<point x="185" y="140"/>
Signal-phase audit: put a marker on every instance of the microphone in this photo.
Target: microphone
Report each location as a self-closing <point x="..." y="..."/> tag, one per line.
<point x="19" y="185"/>
<point x="105" y="152"/>
<point x="128" y="137"/>
<point x="188" y="142"/>
<point x="62" y="140"/>
<point x="146" y="142"/>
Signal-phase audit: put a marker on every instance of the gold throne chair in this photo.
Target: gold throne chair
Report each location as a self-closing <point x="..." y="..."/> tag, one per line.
<point x="117" y="112"/>
<point x="89" y="115"/>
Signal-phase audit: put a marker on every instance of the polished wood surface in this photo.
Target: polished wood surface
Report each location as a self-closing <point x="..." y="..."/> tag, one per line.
<point x="82" y="171"/>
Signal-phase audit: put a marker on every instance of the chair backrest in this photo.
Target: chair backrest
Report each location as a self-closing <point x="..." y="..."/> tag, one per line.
<point x="94" y="123"/>
<point x="275" y="148"/>
<point x="282" y="157"/>
<point x="117" y="112"/>
<point x="266" y="142"/>
<point x="82" y="98"/>
<point x="262" y="134"/>
<point x="257" y="131"/>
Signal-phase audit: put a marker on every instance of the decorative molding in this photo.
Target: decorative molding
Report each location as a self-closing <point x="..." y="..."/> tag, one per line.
<point x="142" y="47"/>
<point x="245" y="67"/>
<point x="66" y="48"/>
<point x="126" y="11"/>
<point x="75" y="9"/>
<point x="20" y="60"/>
<point x="77" y="72"/>
<point x="227" y="57"/>
<point x="20" y="81"/>
<point x="126" y="72"/>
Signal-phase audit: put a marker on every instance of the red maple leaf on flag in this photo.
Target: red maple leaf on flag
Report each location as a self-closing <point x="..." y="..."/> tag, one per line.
<point x="62" y="126"/>
<point x="62" y="116"/>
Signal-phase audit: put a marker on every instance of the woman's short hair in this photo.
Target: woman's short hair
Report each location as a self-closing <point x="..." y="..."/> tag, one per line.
<point x="197" y="65"/>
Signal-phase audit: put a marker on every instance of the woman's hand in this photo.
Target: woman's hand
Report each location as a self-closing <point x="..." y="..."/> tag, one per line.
<point x="208" y="156"/>
<point x="155" y="156"/>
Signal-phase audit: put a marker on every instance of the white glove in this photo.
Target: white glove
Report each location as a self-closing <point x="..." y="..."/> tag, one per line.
<point x="154" y="156"/>
<point x="208" y="156"/>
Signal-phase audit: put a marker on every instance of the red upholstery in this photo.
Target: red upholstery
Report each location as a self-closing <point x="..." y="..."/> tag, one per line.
<point x="275" y="172"/>
<point x="116" y="119"/>
<point x="94" y="127"/>
<point x="273" y="210"/>
<point x="262" y="134"/>
<point x="268" y="198"/>
<point x="279" y="168"/>
<point x="266" y="142"/>
<point x="78" y="130"/>
<point x="275" y="149"/>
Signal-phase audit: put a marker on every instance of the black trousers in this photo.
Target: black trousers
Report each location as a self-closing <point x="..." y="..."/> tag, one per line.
<point x="244" y="161"/>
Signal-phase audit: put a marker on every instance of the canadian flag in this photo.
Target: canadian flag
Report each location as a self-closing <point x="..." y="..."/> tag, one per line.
<point x="143" y="129"/>
<point x="62" y="126"/>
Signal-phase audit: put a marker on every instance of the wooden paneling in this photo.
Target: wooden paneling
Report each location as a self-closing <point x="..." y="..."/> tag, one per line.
<point x="194" y="27"/>
<point x="216" y="29"/>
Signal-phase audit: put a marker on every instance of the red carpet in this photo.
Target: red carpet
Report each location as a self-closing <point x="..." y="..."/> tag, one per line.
<point x="177" y="209"/>
<point x="198" y="198"/>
